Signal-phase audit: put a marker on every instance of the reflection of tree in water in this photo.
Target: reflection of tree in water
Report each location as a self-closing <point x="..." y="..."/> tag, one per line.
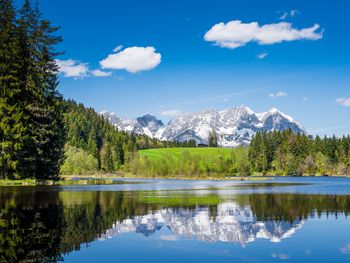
<point x="37" y="225"/>
<point x="291" y="207"/>
<point x="89" y="214"/>
<point x="30" y="233"/>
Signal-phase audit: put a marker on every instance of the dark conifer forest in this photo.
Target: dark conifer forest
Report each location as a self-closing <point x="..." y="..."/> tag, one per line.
<point x="286" y="153"/>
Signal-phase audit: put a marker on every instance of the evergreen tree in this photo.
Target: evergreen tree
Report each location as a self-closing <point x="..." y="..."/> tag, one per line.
<point x="213" y="139"/>
<point x="12" y="119"/>
<point x="43" y="154"/>
<point x="107" y="162"/>
<point x="92" y="142"/>
<point x="31" y="131"/>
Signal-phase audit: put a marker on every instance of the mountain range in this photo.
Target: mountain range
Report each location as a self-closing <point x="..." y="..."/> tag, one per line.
<point x="234" y="126"/>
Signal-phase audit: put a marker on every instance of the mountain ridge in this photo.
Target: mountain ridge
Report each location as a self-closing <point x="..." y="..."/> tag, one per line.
<point x="235" y="126"/>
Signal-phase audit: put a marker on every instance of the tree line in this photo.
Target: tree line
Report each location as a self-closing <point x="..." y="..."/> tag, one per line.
<point x="278" y="153"/>
<point x="287" y="153"/>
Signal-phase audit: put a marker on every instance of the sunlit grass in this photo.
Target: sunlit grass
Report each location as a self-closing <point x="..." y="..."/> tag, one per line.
<point x="207" y="152"/>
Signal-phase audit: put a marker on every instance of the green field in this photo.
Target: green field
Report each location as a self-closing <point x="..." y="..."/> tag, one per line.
<point x="191" y="162"/>
<point x="206" y="153"/>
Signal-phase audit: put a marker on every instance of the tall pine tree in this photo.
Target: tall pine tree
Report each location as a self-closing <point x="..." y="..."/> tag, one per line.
<point x="30" y="103"/>
<point x="12" y="116"/>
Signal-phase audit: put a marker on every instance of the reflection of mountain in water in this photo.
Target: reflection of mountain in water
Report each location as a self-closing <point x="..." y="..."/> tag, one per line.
<point x="41" y="225"/>
<point x="233" y="224"/>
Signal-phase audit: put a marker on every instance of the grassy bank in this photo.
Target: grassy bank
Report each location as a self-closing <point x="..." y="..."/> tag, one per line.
<point x="128" y="175"/>
<point x="63" y="182"/>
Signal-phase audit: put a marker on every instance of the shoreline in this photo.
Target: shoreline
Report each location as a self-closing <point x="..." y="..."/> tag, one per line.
<point x="110" y="179"/>
<point x="189" y="178"/>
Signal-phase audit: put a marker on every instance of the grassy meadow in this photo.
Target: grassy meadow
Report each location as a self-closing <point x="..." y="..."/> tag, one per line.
<point x="188" y="162"/>
<point x="203" y="153"/>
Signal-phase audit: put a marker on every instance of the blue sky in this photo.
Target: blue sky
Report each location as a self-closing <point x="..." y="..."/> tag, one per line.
<point x="173" y="58"/>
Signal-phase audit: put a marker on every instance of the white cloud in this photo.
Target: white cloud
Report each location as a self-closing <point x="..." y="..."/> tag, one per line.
<point x="343" y="101"/>
<point x="292" y="13"/>
<point x="169" y="113"/>
<point x="236" y="34"/>
<point x="72" y="69"/>
<point x="100" y="73"/>
<point x="133" y="59"/>
<point x="284" y="16"/>
<point x="262" y="55"/>
<point x="278" y="94"/>
<point x="118" y="48"/>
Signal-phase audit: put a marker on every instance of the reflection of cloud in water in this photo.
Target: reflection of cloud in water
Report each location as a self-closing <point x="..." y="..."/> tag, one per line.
<point x="231" y="223"/>
<point x="345" y="249"/>
<point x="168" y="237"/>
<point x="281" y="256"/>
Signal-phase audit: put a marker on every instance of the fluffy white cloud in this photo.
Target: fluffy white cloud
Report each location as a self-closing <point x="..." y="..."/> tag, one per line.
<point x="278" y="94"/>
<point x="343" y="101"/>
<point x="100" y="73"/>
<point x="169" y="113"/>
<point x="262" y="55"/>
<point x="292" y="13"/>
<point x="236" y="34"/>
<point x="72" y="69"/>
<point x="133" y="59"/>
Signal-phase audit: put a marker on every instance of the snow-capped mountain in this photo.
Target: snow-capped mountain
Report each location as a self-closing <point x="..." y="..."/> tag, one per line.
<point x="147" y="124"/>
<point x="234" y="126"/>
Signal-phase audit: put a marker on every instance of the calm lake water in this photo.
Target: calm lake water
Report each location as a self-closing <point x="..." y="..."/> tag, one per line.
<point x="284" y="219"/>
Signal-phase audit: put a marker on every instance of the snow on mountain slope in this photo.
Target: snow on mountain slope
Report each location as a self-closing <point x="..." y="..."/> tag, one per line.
<point x="234" y="126"/>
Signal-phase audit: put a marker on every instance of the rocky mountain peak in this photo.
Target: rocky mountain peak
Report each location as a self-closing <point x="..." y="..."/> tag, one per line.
<point x="150" y="122"/>
<point x="235" y="126"/>
<point x="147" y="119"/>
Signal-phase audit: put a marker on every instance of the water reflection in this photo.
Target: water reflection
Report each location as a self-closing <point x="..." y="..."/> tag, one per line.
<point x="232" y="223"/>
<point x="37" y="225"/>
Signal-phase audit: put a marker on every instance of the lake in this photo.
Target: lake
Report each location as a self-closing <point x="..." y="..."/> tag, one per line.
<point x="144" y="220"/>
